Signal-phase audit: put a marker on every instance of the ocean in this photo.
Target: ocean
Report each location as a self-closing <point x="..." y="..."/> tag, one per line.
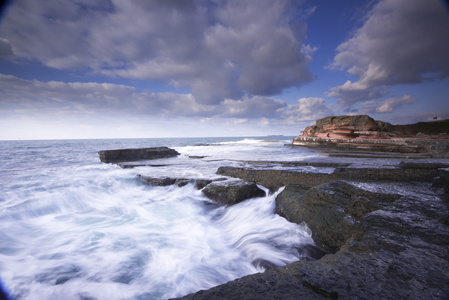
<point x="72" y="227"/>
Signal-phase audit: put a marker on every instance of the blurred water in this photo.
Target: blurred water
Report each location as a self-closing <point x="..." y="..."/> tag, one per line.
<point x="72" y="227"/>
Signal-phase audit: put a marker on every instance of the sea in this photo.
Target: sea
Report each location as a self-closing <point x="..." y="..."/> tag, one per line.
<point x="72" y="227"/>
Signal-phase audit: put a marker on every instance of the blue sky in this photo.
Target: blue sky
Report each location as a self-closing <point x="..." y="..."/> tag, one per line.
<point x="172" y="68"/>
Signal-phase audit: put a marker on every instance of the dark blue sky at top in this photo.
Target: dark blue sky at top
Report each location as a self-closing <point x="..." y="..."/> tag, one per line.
<point x="100" y="68"/>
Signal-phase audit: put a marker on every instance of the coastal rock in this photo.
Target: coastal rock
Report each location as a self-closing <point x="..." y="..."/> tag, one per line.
<point x="232" y="192"/>
<point x="389" y="245"/>
<point x="126" y="155"/>
<point x="274" y="179"/>
<point x="158" y="181"/>
<point x="362" y="132"/>
<point x="180" y="182"/>
<point x="361" y="126"/>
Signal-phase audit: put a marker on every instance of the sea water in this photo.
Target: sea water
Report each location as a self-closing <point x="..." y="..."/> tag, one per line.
<point x="72" y="227"/>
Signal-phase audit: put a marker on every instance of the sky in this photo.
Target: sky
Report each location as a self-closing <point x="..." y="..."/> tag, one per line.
<point x="72" y="69"/>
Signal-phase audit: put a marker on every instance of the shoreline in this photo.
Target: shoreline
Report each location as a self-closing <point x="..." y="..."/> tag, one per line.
<point x="378" y="219"/>
<point x="377" y="232"/>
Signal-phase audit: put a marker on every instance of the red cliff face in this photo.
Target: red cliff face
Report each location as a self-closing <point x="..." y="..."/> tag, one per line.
<point x="350" y="127"/>
<point x="363" y="132"/>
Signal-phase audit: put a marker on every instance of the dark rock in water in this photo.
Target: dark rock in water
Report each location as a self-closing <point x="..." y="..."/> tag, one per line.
<point x="158" y="181"/>
<point x="423" y="165"/>
<point x="232" y="192"/>
<point x="386" y="246"/>
<point x="180" y="182"/>
<point x="444" y="178"/>
<point x="124" y="155"/>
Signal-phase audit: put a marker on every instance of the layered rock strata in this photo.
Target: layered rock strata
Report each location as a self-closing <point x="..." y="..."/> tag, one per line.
<point x="363" y="132"/>
<point x="127" y="155"/>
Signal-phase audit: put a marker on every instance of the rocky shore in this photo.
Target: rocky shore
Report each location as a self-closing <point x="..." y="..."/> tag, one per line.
<point x="382" y="229"/>
<point x="386" y="232"/>
<point x="363" y="132"/>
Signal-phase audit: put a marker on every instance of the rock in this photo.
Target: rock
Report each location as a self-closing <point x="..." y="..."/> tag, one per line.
<point x="232" y="192"/>
<point x="444" y="179"/>
<point x="274" y="179"/>
<point x="158" y="181"/>
<point x="389" y="246"/>
<point x="326" y="209"/>
<point x="348" y="127"/>
<point x="180" y="182"/>
<point x="361" y="132"/>
<point x="126" y="155"/>
<point x="423" y="165"/>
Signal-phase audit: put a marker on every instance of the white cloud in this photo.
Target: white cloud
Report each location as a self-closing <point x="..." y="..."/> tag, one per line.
<point x="401" y="41"/>
<point x="254" y="107"/>
<point x="307" y="109"/>
<point x="90" y="97"/>
<point x="218" y="49"/>
<point x="391" y="104"/>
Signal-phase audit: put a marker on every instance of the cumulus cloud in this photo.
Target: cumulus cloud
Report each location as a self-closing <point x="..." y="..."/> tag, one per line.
<point x="400" y="42"/>
<point x="307" y="109"/>
<point x="218" y="49"/>
<point x="254" y="107"/>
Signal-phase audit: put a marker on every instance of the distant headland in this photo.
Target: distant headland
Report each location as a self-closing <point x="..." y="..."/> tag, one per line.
<point x="364" y="133"/>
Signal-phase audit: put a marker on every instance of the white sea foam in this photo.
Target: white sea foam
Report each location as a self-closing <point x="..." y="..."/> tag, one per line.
<point x="72" y="227"/>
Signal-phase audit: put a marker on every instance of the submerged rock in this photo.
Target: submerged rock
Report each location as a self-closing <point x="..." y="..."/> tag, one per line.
<point x="126" y="155"/>
<point x="158" y="181"/>
<point x="180" y="182"/>
<point x="232" y="192"/>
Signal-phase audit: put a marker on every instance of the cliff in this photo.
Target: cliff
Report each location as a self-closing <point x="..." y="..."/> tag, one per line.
<point x="363" y="132"/>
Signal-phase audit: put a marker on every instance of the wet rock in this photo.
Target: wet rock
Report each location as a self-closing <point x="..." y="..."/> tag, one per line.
<point x="423" y="165"/>
<point x="158" y="181"/>
<point x="331" y="211"/>
<point x="180" y="182"/>
<point x="126" y="155"/>
<point x="232" y="192"/>
<point x="444" y="179"/>
<point x="274" y="179"/>
<point x="385" y="245"/>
